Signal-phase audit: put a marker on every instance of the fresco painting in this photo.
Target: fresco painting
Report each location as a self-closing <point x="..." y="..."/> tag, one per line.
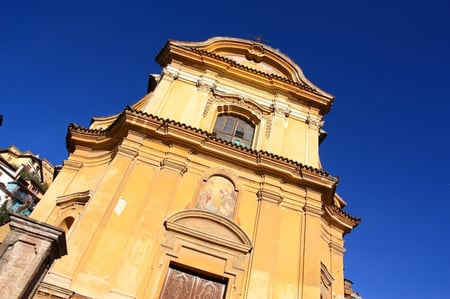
<point x="217" y="195"/>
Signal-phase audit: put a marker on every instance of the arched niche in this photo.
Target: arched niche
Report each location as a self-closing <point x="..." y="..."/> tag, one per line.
<point x="218" y="195"/>
<point x="66" y="223"/>
<point x="218" y="192"/>
<point x="69" y="208"/>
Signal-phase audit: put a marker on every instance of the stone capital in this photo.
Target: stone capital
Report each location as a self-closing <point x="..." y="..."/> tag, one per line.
<point x="170" y="73"/>
<point x="269" y="196"/>
<point x="205" y="84"/>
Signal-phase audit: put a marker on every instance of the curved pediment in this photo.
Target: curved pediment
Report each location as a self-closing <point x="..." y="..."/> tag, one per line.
<point x="73" y="198"/>
<point x="253" y="55"/>
<point x="209" y="227"/>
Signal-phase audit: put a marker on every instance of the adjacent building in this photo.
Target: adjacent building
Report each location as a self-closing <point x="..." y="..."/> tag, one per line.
<point x="24" y="179"/>
<point x="210" y="186"/>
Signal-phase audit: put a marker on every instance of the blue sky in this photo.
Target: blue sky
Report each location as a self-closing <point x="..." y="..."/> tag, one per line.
<point x="386" y="62"/>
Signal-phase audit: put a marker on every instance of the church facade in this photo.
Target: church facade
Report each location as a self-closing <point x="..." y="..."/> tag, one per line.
<point x="210" y="186"/>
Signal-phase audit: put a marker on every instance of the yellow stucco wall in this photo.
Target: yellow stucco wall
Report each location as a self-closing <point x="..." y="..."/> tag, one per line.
<point x="134" y="197"/>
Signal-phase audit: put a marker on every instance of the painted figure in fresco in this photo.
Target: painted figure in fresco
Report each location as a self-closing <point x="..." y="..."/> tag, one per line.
<point x="227" y="202"/>
<point x="217" y="195"/>
<point x="206" y="201"/>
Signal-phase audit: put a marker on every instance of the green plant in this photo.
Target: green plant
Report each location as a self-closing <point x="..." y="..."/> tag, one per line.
<point x="4" y="215"/>
<point x="22" y="210"/>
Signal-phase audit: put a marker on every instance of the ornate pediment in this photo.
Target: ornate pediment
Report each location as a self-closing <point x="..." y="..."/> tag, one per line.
<point x="253" y="56"/>
<point x="67" y="200"/>
<point x="209" y="227"/>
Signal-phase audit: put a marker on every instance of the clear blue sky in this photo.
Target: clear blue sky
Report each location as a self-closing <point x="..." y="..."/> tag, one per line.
<point x="387" y="63"/>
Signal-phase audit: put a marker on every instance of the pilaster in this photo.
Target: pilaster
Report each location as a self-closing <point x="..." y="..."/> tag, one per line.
<point x="156" y="103"/>
<point x="100" y="207"/>
<point x="311" y="257"/>
<point x="264" y="259"/>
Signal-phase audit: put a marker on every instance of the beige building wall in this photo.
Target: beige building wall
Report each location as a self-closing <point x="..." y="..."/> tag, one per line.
<point x="152" y="189"/>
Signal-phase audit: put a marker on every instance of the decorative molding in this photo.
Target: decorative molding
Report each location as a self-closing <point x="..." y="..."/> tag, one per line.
<point x="326" y="281"/>
<point x="279" y="110"/>
<point x="72" y="165"/>
<point x="57" y="279"/>
<point x="313" y="122"/>
<point x="326" y="276"/>
<point x="205" y="84"/>
<point x="169" y="241"/>
<point x="54" y="292"/>
<point x="209" y="227"/>
<point x="255" y="52"/>
<point x="225" y="172"/>
<point x="259" y="112"/>
<point x="242" y="101"/>
<point x="127" y="152"/>
<point x="269" y="196"/>
<point x="74" y="198"/>
<point x="339" y="218"/>
<point x="116" y="294"/>
<point x="208" y="106"/>
<point x="170" y="73"/>
<point x="202" y="142"/>
<point x="268" y="128"/>
<point x="337" y="248"/>
<point x="169" y="163"/>
<point x="289" y="78"/>
<point x="238" y="260"/>
<point x="312" y="210"/>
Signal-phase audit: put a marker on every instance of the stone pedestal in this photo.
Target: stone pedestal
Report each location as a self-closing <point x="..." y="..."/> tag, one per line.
<point x="25" y="255"/>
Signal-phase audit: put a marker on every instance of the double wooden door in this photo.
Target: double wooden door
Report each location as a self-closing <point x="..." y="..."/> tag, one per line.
<point x="181" y="284"/>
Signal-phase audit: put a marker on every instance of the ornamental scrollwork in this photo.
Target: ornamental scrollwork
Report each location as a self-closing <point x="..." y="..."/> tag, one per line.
<point x="171" y="74"/>
<point x="205" y="85"/>
<point x="261" y="112"/>
<point x="313" y="122"/>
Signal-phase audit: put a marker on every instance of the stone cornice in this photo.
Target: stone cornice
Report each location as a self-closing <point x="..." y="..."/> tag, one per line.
<point x="74" y="198"/>
<point x="199" y="141"/>
<point x="340" y="218"/>
<point x="300" y="88"/>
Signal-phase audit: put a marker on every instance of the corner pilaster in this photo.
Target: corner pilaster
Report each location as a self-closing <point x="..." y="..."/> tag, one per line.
<point x="312" y="231"/>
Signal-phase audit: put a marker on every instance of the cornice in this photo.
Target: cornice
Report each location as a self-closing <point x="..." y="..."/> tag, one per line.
<point x="300" y="88"/>
<point x="199" y="141"/>
<point x="223" y="93"/>
<point x="338" y="217"/>
<point x="74" y="198"/>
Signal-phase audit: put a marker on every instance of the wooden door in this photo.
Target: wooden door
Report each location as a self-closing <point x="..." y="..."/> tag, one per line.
<point x="182" y="284"/>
